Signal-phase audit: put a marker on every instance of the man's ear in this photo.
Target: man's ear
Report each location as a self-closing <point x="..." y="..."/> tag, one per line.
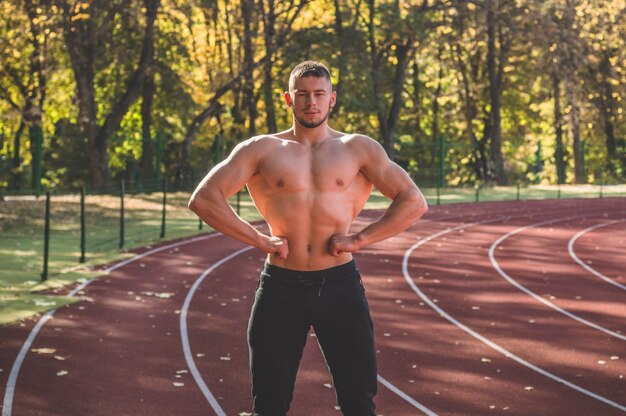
<point x="288" y="98"/>
<point x="333" y="99"/>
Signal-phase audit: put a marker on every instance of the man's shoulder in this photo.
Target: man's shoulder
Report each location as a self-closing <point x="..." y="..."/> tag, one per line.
<point x="361" y="142"/>
<point x="263" y="140"/>
<point x="257" y="143"/>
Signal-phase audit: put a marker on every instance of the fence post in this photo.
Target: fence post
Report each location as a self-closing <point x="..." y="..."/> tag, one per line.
<point x="82" y="225"/>
<point x="442" y="161"/>
<point x="159" y="156"/>
<point x="517" y="197"/>
<point x="122" y="190"/>
<point x="199" y="223"/>
<point x="438" y="196"/>
<point x="558" y="194"/>
<point x="239" y="202"/>
<point x="477" y="193"/>
<point x="164" y="187"/>
<point x="46" y="239"/>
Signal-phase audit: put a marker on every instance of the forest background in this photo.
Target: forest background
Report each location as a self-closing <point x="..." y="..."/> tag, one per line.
<point x="458" y="92"/>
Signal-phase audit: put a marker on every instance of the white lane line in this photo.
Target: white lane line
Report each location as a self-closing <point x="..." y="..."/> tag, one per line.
<point x="406" y="397"/>
<point x="572" y="253"/>
<point x="19" y="360"/>
<point x="505" y="352"/>
<point x="184" y="334"/>
<point x="524" y="289"/>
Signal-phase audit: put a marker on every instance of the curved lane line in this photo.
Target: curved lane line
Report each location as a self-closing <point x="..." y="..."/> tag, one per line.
<point x="503" y="351"/>
<point x="405" y="396"/>
<point x="529" y="292"/>
<point x="184" y="334"/>
<point x="19" y="360"/>
<point x="572" y="253"/>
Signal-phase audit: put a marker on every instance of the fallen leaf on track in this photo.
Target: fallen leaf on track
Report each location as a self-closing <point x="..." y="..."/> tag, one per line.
<point x="162" y="295"/>
<point x="43" y="302"/>
<point x="62" y="373"/>
<point x="44" y="350"/>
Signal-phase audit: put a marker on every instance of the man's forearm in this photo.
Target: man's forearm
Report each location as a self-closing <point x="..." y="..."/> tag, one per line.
<point x="406" y="208"/>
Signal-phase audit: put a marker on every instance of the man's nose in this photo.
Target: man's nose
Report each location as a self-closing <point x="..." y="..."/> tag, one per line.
<point x="310" y="100"/>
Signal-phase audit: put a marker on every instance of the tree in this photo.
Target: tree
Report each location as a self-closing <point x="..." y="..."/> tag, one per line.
<point x="498" y="48"/>
<point x="85" y="27"/>
<point x="391" y="52"/>
<point x="24" y="79"/>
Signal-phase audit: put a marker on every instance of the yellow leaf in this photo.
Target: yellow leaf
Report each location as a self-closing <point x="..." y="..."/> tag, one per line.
<point x="44" y="350"/>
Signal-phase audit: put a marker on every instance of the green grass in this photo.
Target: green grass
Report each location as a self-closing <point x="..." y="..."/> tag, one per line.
<point x="22" y="294"/>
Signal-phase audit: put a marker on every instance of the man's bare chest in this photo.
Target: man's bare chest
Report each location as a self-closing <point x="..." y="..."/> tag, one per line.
<point x="322" y="171"/>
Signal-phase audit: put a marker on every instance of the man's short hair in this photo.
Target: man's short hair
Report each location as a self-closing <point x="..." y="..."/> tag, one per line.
<point x="308" y="69"/>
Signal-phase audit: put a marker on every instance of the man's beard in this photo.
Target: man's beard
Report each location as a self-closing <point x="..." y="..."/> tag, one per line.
<point x="314" y="124"/>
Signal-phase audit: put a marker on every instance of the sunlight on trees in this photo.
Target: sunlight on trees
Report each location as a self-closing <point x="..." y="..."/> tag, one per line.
<point x="523" y="91"/>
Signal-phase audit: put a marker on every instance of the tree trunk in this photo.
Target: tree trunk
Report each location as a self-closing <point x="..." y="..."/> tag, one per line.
<point x="247" y="9"/>
<point x="559" y="152"/>
<point x="574" y="124"/>
<point x="375" y="59"/>
<point x="16" y="160"/>
<point x="403" y="55"/>
<point x="417" y="100"/>
<point x="435" y="137"/>
<point x="268" y="89"/>
<point x="495" y="92"/>
<point x="607" y="110"/>
<point x="470" y="112"/>
<point x="148" y="173"/>
<point x="341" y="61"/>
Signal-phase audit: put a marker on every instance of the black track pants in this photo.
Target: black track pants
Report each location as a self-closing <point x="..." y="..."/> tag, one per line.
<point x="287" y="304"/>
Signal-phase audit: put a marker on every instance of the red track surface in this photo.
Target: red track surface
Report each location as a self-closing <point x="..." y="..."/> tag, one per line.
<point x="123" y="352"/>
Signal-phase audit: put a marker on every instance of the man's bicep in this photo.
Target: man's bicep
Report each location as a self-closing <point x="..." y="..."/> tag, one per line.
<point x="389" y="178"/>
<point x="230" y="175"/>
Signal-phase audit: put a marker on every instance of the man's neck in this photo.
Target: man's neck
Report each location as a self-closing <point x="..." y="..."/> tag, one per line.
<point x="311" y="137"/>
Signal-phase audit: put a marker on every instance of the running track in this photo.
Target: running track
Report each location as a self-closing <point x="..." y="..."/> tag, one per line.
<point x="508" y="308"/>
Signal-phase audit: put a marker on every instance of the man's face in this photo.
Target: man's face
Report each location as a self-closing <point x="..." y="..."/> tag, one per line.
<point x="311" y="100"/>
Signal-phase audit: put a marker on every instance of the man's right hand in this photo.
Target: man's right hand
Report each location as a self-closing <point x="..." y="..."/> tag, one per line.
<point x="277" y="246"/>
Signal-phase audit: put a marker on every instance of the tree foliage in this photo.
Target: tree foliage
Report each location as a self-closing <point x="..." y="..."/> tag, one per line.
<point x="521" y="90"/>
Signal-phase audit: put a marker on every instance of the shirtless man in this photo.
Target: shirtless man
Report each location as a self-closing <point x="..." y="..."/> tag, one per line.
<point x="309" y="183"/>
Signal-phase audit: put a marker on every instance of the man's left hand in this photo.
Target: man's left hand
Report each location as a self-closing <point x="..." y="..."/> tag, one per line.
<point x="340" y="243"/>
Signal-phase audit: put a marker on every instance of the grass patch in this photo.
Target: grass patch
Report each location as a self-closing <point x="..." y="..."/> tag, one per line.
<point x="22" y="294"/>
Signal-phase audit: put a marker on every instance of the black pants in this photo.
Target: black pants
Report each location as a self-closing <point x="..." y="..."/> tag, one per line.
<point x="287" y="304"/>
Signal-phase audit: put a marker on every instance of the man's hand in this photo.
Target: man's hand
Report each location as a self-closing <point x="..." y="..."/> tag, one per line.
<point x="277" y="246"/>
<point x="340" y="243"/>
